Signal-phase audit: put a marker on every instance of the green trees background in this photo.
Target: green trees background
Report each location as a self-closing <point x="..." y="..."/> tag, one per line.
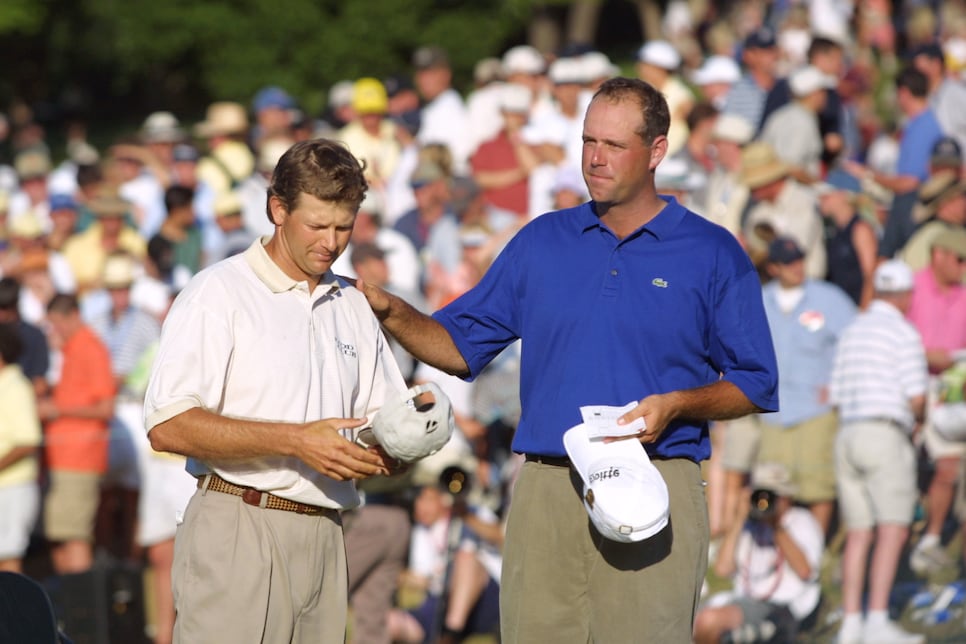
<point x="104" y="60"/>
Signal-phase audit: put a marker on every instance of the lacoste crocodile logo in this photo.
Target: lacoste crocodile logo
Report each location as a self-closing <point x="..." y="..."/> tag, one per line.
<point x="659" y="282"/>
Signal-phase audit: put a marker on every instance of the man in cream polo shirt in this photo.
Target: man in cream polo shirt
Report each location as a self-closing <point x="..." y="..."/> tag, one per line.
<point x="267" y="365"/>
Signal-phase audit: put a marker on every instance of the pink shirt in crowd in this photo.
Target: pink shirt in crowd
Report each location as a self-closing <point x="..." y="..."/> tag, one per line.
<point x="939" y="315"/>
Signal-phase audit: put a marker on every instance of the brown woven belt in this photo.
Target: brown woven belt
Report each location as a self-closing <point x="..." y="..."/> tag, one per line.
<point x="260" y="499"/>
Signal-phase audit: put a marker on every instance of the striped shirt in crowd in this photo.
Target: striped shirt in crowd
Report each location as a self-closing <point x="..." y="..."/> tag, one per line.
<point x="879" y="365"/>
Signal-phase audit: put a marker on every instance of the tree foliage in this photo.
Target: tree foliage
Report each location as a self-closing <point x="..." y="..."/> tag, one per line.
<point x="185" y="53"/>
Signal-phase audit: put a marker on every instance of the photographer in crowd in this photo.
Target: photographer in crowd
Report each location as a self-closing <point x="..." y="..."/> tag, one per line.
<point x="772" y="553"/>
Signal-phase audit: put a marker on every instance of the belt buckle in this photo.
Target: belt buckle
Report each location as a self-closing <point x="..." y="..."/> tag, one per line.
<point x="251" y="496"/>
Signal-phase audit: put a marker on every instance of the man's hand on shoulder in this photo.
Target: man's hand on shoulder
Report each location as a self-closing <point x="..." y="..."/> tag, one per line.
<point x="379" y="300"/>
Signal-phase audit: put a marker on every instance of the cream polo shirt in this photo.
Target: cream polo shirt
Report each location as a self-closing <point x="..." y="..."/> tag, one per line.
<point x="244" y="340"/>
<point x="19" y="425"/>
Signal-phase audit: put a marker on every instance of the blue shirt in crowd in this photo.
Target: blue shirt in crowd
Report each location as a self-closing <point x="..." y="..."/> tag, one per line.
<point x="918" y="138"/>
<point x="805" y="341"/>
<point x="606" y="321"/>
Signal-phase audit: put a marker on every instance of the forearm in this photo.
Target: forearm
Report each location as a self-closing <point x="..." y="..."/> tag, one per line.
<point x="720" y="400"/>
<point x="792" y="553"/>
<point x="490" y="532"/>
<point x="500" y="178"/>
<point x="100" y="410"/>
<point x="422" y="336"/>
<point x="205" y="435"/>
<point x="724" y="563"/>
<point x="17" y="454"/>
<point x="899" y="184"/>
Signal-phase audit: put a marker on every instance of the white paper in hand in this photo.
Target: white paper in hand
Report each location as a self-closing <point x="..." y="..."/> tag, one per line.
<point x="602" y="420"/>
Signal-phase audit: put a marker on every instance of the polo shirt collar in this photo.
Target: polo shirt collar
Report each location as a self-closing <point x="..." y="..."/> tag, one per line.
<point x="661" y="226"/>
<point x="274" y="277"/>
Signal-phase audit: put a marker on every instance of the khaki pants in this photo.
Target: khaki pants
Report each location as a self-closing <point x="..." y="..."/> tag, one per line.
<point x="563" y="582"/>
<point x="246" y="574"/>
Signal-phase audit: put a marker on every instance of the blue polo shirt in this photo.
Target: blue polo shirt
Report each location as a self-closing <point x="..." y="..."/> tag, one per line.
<point x="605" y="321"/>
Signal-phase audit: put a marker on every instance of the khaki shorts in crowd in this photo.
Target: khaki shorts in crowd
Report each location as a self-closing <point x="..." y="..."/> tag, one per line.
<point x="742" y="437"/>
<point x="807" y="450"/>
<point x="877" y="479"/>
<point x="70" y="507"/>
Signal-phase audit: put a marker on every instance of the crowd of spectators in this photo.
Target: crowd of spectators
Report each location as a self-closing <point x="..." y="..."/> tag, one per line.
<point x="827" y="136"/>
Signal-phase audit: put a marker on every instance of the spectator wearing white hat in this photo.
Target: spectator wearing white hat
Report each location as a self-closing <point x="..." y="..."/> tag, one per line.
<point x="726" y="195"/>
<point x="828" y="56"/>
<point x="657" y="63"/>
<point x="339" y="109"/>
<point x="502" y="165"/>
<point x="555" y="131"/>
<point x="33" y="169"/>
<point x="878" y="385"/>
<point x="483" y="102"/>
<point x="525" y="65"/>
<point x="715" y="77"/>
<point x="793" y="130"/>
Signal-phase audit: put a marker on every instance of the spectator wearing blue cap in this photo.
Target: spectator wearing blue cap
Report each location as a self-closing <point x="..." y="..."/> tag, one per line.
<point x="274" y="112"/>
<point x="851" y="243"/>
<point x="760" y="58"/>
<point x="806" y="317"/>
<point x="63" y="220"/>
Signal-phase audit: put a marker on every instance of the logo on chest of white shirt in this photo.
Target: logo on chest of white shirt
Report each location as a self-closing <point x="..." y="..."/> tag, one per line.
<point x="348" y="350"/>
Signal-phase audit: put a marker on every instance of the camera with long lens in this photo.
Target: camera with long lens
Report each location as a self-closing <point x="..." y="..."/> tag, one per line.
<point x="455" y="480"/>
<point x="764" y="505"/>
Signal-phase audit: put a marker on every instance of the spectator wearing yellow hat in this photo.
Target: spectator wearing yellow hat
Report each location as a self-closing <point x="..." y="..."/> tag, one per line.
<point x="370" y="135"/>
<point x="86" y="252"/>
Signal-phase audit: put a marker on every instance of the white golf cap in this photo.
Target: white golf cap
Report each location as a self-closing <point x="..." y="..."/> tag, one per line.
<point x="566" y="70"/>
<point x="808" y="79"/>
<point x="409" y="431"/>
<point x="515" y="98"/>
<point x="523" y="59"/>
<point x="717" y="69"/>
<point x="624" y="494"/>
<point x="893" y="276"/>
<point x="659" y="53"/>
<point x="734" y="128"/>
<point x="595" y="64"/>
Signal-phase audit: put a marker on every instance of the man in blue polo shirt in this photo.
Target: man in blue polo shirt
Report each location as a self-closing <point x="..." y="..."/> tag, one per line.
<point x="629" y="297"/>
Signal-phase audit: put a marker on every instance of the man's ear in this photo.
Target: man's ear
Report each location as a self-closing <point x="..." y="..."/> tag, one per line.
<point x="658" y="151"/>
<point x="277" y="210"/>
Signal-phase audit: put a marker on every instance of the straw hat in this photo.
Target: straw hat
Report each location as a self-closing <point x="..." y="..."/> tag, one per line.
<point x="760" y="165"/>
<point x="223" y="118"/>
<point x="108" y="204"/>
